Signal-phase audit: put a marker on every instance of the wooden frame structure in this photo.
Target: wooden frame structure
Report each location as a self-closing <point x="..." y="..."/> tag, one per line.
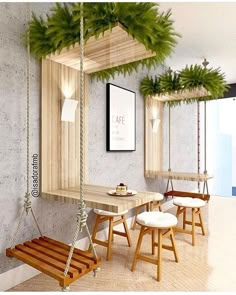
<point x="153" y="142"/>
<point x="113" y="48"/>
<point x="60" y="154"/>
<point x="181" y="95"/>
<point x="60" y="79"/>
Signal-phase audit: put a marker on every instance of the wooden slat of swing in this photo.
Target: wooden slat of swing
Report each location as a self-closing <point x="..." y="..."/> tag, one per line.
<point x="45" y="258"/>
<point x="53" y="254"/>
<point x="174" y="193"/>
<point x="82" y="253"/>
<point x="80" y="259"/>
<point x="49" y="256"/>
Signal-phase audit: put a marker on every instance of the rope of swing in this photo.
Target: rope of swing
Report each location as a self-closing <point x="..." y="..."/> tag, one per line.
<point x="81" y="215"/>
<point x="27" y="198"/>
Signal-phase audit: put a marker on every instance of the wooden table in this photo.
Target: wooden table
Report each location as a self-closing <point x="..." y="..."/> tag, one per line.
<point x="97" y="197"/>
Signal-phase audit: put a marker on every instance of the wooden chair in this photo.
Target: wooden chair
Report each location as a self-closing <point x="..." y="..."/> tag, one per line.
<point x="102" y="216"/>
<point x="156" y="203"/>
<point x="157" y="223"/>
<point x="195" y="205"/>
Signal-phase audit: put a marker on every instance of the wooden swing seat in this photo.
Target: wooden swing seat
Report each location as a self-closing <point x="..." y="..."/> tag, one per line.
<point x="173" y="193"/>
<point x="201" y="177"/>
<point x="50" y="256"/>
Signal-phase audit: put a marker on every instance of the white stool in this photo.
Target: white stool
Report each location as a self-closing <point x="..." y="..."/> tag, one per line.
<point x="102" y="216"/>
<point x="153" y="222"/>
<point x="155" y="203"/>
<point x="195" y="204"/>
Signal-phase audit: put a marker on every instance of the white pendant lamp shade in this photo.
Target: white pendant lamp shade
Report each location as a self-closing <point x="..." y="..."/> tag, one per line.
<point x="68" y="110"/>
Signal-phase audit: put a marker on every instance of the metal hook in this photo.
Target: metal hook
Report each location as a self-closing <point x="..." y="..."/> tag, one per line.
<point x="205" y="63"/>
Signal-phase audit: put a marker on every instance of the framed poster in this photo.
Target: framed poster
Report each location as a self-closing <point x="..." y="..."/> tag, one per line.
<point x="121" y="119"/>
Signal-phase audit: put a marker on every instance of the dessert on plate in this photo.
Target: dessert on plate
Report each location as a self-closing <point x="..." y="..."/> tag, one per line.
<point x="121" y="189"/>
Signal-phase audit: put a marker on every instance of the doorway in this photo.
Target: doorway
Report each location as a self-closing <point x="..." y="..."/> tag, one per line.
<point x="221" y="145"/>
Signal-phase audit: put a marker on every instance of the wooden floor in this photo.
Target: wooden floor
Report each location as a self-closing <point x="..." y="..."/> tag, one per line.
<point x="208" y="266"/>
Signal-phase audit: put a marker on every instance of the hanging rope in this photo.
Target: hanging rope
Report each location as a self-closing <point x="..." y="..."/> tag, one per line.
<point x="205" y="185"/>
<point x="27" y="202"/>
<point x="27" y="198"/>
<point x="198" y="143"/>
<point x="169" y="169"/>
<point x="205" y="64"/>
<point x="81" y="215"/>
<point x="205" y="171"/>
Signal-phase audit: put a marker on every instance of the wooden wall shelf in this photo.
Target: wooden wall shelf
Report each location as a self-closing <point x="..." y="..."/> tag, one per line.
<point x="178" y="175"/>
<point x="113" y="48"/>
<point x="197" y="93"/>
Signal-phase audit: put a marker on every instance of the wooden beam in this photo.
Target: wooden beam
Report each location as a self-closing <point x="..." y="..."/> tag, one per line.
<point x="113" y="48"/>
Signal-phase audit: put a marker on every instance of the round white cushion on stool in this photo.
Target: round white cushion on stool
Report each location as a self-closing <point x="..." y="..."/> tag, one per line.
<point x="158" y="197"/>
<point x="157" y="219"/>
<point x="108" y="213"/>
<point x="189" y="202"/>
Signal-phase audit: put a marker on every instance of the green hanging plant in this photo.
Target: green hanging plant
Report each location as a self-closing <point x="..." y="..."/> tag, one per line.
<point x="142" y="20"/>
<point x="212" y="80"/>
<point x="189" y="79"/>
<point x="150" y="86"/>
<point x="40" y="43"/>
<point x="170" y="81"/>
<point x="62" y="30"/>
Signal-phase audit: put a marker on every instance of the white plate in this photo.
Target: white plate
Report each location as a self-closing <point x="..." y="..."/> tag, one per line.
<point x="129" y="193"/>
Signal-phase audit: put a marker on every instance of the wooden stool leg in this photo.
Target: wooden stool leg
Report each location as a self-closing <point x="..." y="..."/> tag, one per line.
<point x="159" y="254"/>
<point x="153" y="241"/>
<point x="140" y="238"/>
<point x="172" y="237"/>
<point x="126" y="230"/>
<point x="110" y="234"/>
<point x="137" y="210"/>
<point x="178" y="212"/>
<point x="184" y="217"/>
<point x="157" y="205"/>
<point x="193" y="226"/>
<point x="201" y="222"/>
<point x="135" y="218"/>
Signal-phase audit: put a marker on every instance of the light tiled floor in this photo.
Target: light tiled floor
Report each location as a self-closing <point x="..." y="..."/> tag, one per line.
<point x="208" y="266"/>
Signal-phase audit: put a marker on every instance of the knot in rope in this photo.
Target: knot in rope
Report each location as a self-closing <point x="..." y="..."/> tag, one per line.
<point x="27" y="203"/>
<point x="82" y="215"/>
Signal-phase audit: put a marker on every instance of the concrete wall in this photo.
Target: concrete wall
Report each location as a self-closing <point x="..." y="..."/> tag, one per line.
<point x="111" y="168"/>
<point x="13" y="59"/>
<point x="56" y="219"/>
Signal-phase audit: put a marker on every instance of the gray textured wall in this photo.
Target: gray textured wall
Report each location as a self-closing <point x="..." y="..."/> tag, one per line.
<point x="111" y="168"/>
<point x="183" y="138"/>
<point x="56" y="219"/>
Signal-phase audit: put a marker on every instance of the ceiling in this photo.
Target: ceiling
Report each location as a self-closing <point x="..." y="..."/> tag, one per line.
<point x="208" y="30"/>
